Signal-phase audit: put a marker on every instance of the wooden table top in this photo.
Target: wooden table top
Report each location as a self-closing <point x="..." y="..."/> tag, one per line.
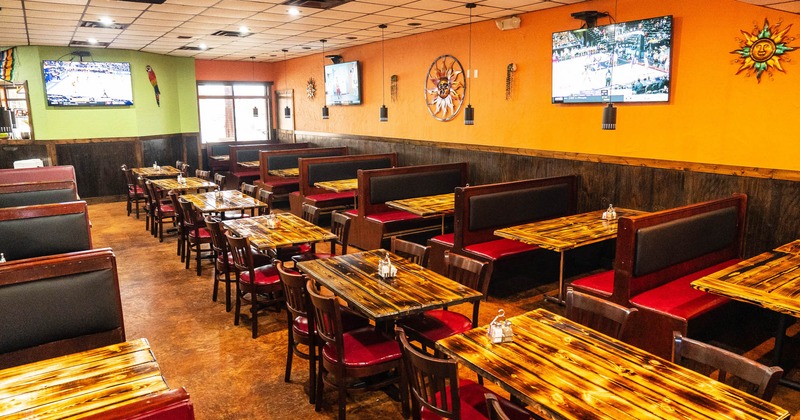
<point x="285" y="173"/>
<point x="770" y="280"/>
<point x="426" y="206"/>
<point x="81" y="383"/>
<point x="230" y="200"/>
<point x="250" y="164"/>
<point x="339" y="185"/>
<point x="568" y="232"/>
<point x="221" y="158"/>
<point x="573" y="372"/>
<point x="791" y="248"/>
<point x="354" y="278"/>
<point x="291" y="230"/>
<point x="162" y="171"/>
<point x="192" y="183"/>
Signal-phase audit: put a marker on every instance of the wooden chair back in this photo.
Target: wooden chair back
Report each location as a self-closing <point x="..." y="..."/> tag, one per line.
<point x="206" y="175"/>
<point x="433" y="381"/>
<point x="249" y="190"/>
<point x="239" y="248"/>
<point x="294" y="288"/>
<point x="192" y="218"/>
<point x="128" y="175"/>
<point x="467" y="271"/>
<point x="265" y="196"/>
<point x="340" y="226"/>
<point x="176" y="203"/>
<point x="599" y="314"/>
<point x="218" y="241"/>
<point x="414" y="252"/>
<point x="727" y="367"/>
<point x="328" y="319"/>
<point x="493" y="407"/>
<point x="310" y="213"/>
<point x="219" y="179"/>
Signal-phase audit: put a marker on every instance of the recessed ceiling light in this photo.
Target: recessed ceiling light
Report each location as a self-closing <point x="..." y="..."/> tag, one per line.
<point x="184" y="37"/>
<point x="107" y="21"/>
<point x="203" y="46"/>
<point x="92" y="41"/>
<point x="244" y="29"/>
<point x="293" y="11"/>
<point x="414" y="24"/>
<point x="306" y="48"/>
<point x="351" y="37"/>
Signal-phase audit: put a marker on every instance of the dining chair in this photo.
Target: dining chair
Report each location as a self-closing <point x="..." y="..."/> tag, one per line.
<point x="437" y="392"/>
<point x="340" y="226"/>
<point x="265" y="196"/>
<point x="179" y="224"/>
<point x="133" y="191"/>
<point x="414" y="252"/>
<point x="598" y="314"/>
<point x="259" y="286"/>
<point x="197" y="235"/>
<point x="249" y="190"/>
<point x="148" y="203"/>
<point x="219" y="179"/>
<point x="493" y="407"/>
<point x="162" y="211"/>
<point x="352" y="356"/>
<point x="727" y="367"/>
<point x="436" y="324"/>
<point x="204" y="175"/>
<point x="223" y="260"/>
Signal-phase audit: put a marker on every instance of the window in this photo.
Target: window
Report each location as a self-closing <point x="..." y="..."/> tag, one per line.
<point x="234" y="111"/>
<point x="14" y="98"/>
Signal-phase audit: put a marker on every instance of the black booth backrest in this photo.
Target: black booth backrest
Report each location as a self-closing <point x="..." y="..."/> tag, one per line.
<point x="49" y="235"/>
<point x="321" y="172"/>
<point x="681" y="240"/>
<point x="31" y="198"/>
<point x="514" y="207"/>
<point x="220" y="149"/>
<point x="58" y="308"/>
<point x="290" y="161"/>
<point x="415" y="184"/>
<point x="247" y="155"/>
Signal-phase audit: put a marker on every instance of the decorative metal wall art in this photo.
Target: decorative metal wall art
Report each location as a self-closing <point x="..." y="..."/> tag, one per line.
<point x="762" y="49"/>
<point x="393" y="88"/>
<point x="311" y="88"/>
<point x="509" y="71"/>
<point x="445" y="88"/>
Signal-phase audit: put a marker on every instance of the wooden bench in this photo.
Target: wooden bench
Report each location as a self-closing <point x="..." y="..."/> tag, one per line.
<point x="279" y="186"/>
<point x="46" y="173"/>
<point x="321" y="169"/>
<point x="249" y="153"/>
<point x="57" y="305"/>
<point x="374" y="222"/>
<point x="44" y="229"/>
<point x="482" y="209"/>
<point x="32" y="193"/>
<point x="658" y="255"/>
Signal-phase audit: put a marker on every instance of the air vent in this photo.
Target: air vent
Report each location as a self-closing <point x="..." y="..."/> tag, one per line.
<point x="90" y="24"/>
<point x="191" y="48"/>
<point x="231" y="33"/>
<point x="316" y="4"/>
<point x="88" y="44"/>
<point x="184" y="37"/>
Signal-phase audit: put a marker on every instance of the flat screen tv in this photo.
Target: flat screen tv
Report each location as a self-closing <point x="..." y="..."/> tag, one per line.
<point x="87" y="83"/>
<point x="622" y="62"/>
<point x="343" y="84"/>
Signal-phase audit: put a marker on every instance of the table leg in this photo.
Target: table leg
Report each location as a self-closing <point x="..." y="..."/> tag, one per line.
<point x="559" y="299"/>
<point x="777" y="356"/>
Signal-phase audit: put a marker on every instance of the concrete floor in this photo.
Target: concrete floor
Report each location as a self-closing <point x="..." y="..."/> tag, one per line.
<point x="228" y="374"/>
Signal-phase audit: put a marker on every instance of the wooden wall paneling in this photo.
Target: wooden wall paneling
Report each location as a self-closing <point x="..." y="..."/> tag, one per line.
<point x="164" y="150"/>
<point x="97" y="166"/>
<point x="191" y="146"/>
<point x="13" y="152"/>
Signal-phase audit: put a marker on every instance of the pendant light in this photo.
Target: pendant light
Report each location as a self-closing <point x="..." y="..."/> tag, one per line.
<point x="610" y="117"/>
<point x="253" y="78"/>
<point x="325" y="106"/>
<point x="287" y="112"/>
<point x="469" y="112"/>
<point x="384" y="116"/>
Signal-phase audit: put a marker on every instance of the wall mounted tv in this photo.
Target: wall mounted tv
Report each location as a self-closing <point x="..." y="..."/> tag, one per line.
<point x="622" y="62"/>
<point x="343" y="84"/>
<point x="87" y="83"/>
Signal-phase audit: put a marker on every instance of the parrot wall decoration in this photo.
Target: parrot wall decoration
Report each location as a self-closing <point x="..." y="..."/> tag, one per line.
<point x="152" y="76"/>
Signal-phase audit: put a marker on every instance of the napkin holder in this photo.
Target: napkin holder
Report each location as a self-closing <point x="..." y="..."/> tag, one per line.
<point x="181" y="179"/>
<point x="273" y="222"/>
<point x="500" y="329"/>
<point x="610" y="214"/>
<point x="386" y="270"/>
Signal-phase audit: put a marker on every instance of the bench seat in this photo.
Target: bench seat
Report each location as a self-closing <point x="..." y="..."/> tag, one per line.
<point x="282" y="183"/>
<point x="499" y="248"/>
<point x="598" y="284"/>
<point x="392" y="216"/>
<point x="439" y="245"/>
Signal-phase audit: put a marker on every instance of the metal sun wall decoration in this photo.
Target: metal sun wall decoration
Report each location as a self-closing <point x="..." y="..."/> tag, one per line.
<point x="394" y="87"/>
<point x="445" y="88"/>
<point x="510" y="69"/>
<point x="762" y="50"/>
<point x="311" y="88"/>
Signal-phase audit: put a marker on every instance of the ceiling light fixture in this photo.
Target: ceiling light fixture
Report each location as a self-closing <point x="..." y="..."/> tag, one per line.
<point x="106" y="21"/>
<point x="293" y="11"/>
<point x="244" y="30"/>
<point x="384" y="116"/>
<point x="203" y="47"/>
<point x="287" y="112"/>
<point x="469" y="112"/>
<point x="92" y="41"/>
<point x="324" y="81"/>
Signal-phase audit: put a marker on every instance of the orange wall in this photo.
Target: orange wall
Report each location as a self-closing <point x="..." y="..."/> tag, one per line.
<point x="714" y="116"/>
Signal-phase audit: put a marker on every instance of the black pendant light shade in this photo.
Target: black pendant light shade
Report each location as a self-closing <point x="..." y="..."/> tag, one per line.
<point x="287" y="112"/>
<point x="384" y="113"/>
<point x="325" y="114"/>
<point x="469" y="111"/>
<point x="469" y="115"/>
<point x="610" y="117"/>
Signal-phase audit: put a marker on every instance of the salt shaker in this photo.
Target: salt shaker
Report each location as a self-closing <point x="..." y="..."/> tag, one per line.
<point x="2" y="257"/>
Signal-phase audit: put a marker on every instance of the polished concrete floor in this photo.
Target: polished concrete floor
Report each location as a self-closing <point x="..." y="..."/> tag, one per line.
<point x="228" y="374"/>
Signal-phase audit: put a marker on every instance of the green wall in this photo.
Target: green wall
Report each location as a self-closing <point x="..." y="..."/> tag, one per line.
<point x="176" y="81"/>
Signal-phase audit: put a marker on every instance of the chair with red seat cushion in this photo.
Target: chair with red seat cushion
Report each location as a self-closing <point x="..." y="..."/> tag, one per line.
<point x="223" y="260"/>
<point x="179" y="223"/>
<point x="350" y="356"/>
<point x="148" y="203"/>
<point x="259" y="286"/>
<point x="134" y="193"/>
<point x="436" y="324"/>
<point x="437" y="392"/>
<point x="416" y="253"/>
<point x="162" y="211"/>
<point x="340" y="226"/>
<point x="197" y="235"/>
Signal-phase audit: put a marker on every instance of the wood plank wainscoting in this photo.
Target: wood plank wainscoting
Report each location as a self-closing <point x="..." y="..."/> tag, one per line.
<point x="643" y="184"/>
<point x="97" y="161"/>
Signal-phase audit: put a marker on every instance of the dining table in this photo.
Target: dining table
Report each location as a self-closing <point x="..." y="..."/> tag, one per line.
<point x="153" y="172"/>
<point x="564" y="370"/>
<point x="338" y="185"/>
<point x="440" y="205"/>
<point x="221" y="201"/>
<point x="415" y="289"/>
<point x="770" y="280"/>
<point x="278" y="230"/>
<point x="82" y="384"/>
<point x="189" y="183"/>
<point x="285" y="173"/>
<point x="250" y="164"/>
<point x="562" y="234"/>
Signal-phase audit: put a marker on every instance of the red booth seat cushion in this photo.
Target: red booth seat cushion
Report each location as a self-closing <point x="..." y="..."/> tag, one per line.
<point x="678" y="298"/>
<point x="350" y="321"/>
<point x="364" y="347"/>
<point x="392" y="216"/>
<point x="437" y="324"/>
<point x="499" y="248"/>
<point x="240" y="173"/>
<point x="447" y="239"/>
<point x="473" y="403"/>
<point x="351" y="213"/>
<point x="600" y="283"/>
<point x="331" y="196"/>
<point x="265" y="275"/>
<point x="295" y="193"/>
<point x="280" y="183"/>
